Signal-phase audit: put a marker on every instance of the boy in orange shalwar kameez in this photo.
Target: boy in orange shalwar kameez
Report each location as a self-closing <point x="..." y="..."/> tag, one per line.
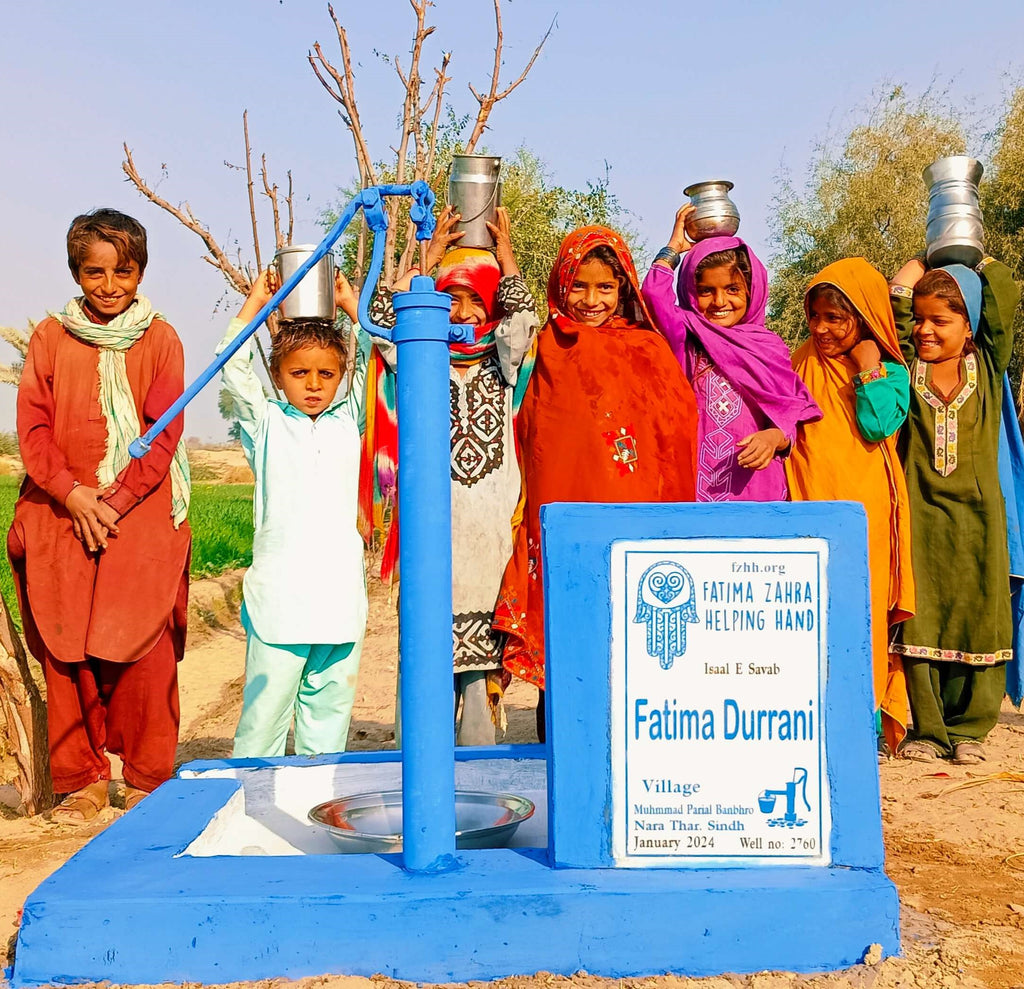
<point x="99" y="544"/>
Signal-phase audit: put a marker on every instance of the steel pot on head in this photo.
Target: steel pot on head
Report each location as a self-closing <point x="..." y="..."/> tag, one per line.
<point x="474" y="190"/>
<point x="956" y="232"/>
<point x="715" y="214"/>
<point x="313" y="297"/>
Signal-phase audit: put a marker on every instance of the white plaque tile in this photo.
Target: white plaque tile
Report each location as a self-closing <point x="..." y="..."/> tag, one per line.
<point x="718" y="672"/>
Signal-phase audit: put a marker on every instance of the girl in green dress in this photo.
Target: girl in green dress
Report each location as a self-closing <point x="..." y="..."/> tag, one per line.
<point x="956" y="330"/>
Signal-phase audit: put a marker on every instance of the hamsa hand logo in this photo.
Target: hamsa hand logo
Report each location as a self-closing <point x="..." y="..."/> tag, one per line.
<point x="665" y="601"/>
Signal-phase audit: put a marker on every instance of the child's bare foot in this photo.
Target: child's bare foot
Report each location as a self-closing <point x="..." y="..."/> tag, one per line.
<point x="83" y="805"/>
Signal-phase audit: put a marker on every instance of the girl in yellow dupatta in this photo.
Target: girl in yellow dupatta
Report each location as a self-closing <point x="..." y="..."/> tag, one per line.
<point x="853" y="368"/>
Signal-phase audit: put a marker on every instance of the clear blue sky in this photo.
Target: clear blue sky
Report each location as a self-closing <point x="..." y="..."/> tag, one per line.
<point x="667" y="93"/>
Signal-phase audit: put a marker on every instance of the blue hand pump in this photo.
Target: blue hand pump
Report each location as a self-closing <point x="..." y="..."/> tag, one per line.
<point x="422" y="333"/>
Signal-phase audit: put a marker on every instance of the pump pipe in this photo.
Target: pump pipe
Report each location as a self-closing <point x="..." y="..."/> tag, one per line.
<point x="371" y="202"/>
<point x="425" y="604"/>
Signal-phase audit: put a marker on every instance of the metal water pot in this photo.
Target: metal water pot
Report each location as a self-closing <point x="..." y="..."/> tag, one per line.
<point x="313" y="297"/>
<point x="715" y="215"/>
<point x="474" y="189"/>
<point x="956" y="231"/>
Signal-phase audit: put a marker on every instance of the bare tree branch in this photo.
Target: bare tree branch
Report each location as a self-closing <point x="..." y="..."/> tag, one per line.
<point x="183" y="214"/>
<point x="270" y="191"/>
<point x="401" y="74"/>
<point x="494" y="95"/>
<point x="248" y="184"/>
<point x="360" y="252"/>
<point x="412" y="122"/>
<point x="442" y="79"/>
<point x="239" y="277"/>
<point x="424" y="159"/>
<point x="345" y="94"/>
<point x="291" y="208"/>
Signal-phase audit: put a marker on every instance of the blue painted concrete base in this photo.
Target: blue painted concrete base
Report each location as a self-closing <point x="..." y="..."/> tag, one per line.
<point x="129" y="908"/>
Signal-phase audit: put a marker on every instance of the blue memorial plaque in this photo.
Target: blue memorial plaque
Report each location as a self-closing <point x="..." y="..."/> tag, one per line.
<point x="719" y="649"/>
<point x="717" y="676"/>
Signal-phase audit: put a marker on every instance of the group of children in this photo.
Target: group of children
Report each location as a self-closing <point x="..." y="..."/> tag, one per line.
<point x="896" y="400"/>
<point x="673" y="391"/>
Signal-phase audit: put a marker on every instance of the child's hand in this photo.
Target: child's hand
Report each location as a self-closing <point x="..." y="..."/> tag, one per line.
<point x="90" y="517"/>
<point x="758" y="449"/>
<point x="865" y="354"/>
<point x="910" y="274"/>
<point x="502" y="234"/>
<point x="263" y="287"/>
<point x="443" y="238"/>
<point x="678" y="240"/>
<point x="345" y="297"/>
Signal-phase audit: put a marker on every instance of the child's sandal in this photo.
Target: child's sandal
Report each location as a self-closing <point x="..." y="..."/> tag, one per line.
<point x="917" y="751"/>
<point x="83" y="805"/>
<point x="968" y="753"/>
<point x="133" y="796"/>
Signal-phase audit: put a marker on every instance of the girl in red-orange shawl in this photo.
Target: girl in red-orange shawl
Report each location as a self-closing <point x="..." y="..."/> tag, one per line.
<point x="608" y="416"/>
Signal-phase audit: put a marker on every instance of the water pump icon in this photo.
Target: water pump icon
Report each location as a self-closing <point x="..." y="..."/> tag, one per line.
<point x="766" y="801"/>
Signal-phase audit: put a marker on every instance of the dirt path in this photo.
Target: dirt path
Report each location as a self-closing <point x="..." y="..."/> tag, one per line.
<point x="950" y="853"/>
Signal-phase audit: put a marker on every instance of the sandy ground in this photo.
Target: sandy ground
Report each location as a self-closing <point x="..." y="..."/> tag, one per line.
<point x="957" y="856"/>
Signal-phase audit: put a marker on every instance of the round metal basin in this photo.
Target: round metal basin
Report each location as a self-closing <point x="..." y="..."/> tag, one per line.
<point x="372" y="822"/>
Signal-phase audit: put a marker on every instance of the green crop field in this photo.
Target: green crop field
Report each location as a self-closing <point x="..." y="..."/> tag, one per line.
<point x="221" y="519"/>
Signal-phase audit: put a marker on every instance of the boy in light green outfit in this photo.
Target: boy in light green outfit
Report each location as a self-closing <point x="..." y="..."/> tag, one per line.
<point x="305" y="593"/>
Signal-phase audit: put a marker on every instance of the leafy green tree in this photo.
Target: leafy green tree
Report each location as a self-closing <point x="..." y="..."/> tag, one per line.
<point x="1002" y="201"/>
<point x="542" y="214"/>
<point x="867" y="198"/>
<point x="864" y="198"/>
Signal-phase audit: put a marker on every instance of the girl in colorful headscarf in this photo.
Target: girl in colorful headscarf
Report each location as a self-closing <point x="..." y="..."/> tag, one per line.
<point x="608" y="416"/>
<point x="488" y="378"/>
<point x="853" y="367"/>
<point x="749" y="401"/>
<point x="956" y="330"/>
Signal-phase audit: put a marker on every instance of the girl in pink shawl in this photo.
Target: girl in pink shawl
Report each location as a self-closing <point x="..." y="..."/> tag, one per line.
<point x="749" y="401"/>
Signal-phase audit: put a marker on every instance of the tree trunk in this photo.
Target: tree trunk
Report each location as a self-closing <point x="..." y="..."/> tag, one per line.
<point x="23" y="720"/>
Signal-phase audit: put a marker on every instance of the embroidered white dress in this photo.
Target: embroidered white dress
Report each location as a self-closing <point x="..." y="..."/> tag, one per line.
<point x="485" y="491"/>
<point x="485" y="472"/>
